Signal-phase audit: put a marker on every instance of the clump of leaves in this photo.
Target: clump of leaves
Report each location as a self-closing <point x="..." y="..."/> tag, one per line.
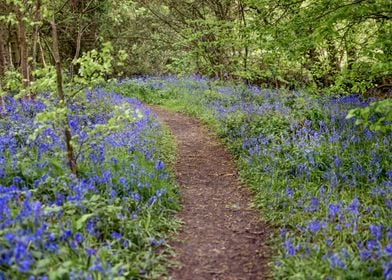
<point x="377" y="116"/>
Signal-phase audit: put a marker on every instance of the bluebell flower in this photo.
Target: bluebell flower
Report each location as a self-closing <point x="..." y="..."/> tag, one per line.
<point x="389" y="233"/>
<point x="290" y="249"/>
<point x="372" y="245"/>
<point x="336" y="261"/>
<point x="337" y="161"/>
<point x="388" y="203"/>
<point x="314" y="202"/>
<point x="79" y="237"/>
<point x="314" y="226"/>
<point x="24" y="264"/>
<point x="388" y="250"/>
<point x="387" y="266"/>
<point x="136" y="196"/>
<point x="354" y="206"/>
<point x="97" y="266"/>
<point x="345" y="254"/>
<point x="90" y="251"/>
<point x="283" y="232"/>
<point x="116" y="235"/>
<point x="120" y="271"/>
<point x="377" y="231"/>
<point x="328" y="242"/>
<point x="333" y="209"/>
<point x="159" y="165"/>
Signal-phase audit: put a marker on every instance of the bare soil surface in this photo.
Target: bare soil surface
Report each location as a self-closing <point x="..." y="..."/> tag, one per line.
<point x="221" y="237"/>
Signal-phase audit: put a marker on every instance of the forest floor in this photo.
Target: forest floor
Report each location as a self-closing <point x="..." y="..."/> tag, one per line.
<point x="222" y="237"/>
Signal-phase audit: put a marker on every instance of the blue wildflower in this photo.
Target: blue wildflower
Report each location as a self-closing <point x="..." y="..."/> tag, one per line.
<point x="376" y="231"/>
<point x="337" y="161"/>
<point x="328" y="242"/>
<point x="24" y="264"/>
<point x="372" y="245"/>
<point x="136" y="197"/>
<point x="354" y="206"/>
<point x="90" y="251"/>
<point x="283" y="232"/>
<point x="388" y="250"/>
<point x="314" y="226"/>
<point x="159" y="165"/>
<point x="120" y="271"/>
<point x="387" y="266"/>
<point x="336" y="262"/>
<point x="290" y="249"/>
<point x="116" y="235"/>
<point x="314" y="202"/>
<point x="333" y="209"/>
<point x="79" y="237"/>
<point x="97" y="266"/>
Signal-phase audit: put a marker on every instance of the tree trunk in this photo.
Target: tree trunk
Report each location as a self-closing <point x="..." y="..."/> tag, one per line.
<point x="41" y="50"/>
<point x="59" y="78"/>
<point x="11" y="62"/>
<point x="37" y="18"/>
<point x="2" y="52"/>
<point x="3" y="64"/>
<point x="23" y="49"/>
<point x="243" y="37"/>
<point x="77" y="51"/>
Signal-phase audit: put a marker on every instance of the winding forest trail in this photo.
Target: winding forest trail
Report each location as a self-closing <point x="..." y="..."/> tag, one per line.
<point x="222" y="237"/>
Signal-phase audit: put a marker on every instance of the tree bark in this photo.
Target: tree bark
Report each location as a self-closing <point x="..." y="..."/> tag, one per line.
<point x="77" y="51"/>
<point x="3" y="64"/>
<point x="2" y="52"/>
<point x="244" y="39"/>
<point x="60" y="91"/>
<point x="11" y="62"/>
<point x="41" y="49"/>
<point x="23" y="49"/>
<point x="37" y="18"/>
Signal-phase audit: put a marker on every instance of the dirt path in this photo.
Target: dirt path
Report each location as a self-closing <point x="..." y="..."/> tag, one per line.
<point x="222" y="238"/>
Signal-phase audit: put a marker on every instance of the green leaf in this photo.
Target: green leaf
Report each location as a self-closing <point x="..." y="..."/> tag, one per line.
<point x="82" y="220"/>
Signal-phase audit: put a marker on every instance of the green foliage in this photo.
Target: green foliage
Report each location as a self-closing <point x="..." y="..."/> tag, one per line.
<point x="11" y="82"/>
<point x="95" y="67"/>
<point x="114" y="217"/>
<point x="336" y="46"/>
<point x="377" y="116"/>
<point x="315" y="175"/>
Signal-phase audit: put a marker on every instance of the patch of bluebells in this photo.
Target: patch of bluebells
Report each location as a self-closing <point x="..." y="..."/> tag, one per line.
<point x="79" y="228"/>
<point x="325" y="180"/>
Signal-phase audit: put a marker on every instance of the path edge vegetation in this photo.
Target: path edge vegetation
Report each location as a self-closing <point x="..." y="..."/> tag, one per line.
<point x="337" y="46"/>
<point x="182" y="99"/>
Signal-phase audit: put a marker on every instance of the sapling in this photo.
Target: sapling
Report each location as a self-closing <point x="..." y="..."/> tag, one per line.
<point x="94" y="66"/>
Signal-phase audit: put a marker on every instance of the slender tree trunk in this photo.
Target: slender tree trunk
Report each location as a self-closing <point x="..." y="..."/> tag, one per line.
<point x="246" y="49"/>
<point x="67" y="132"/>
<point x="77" y="51"/>
<point x="2" y="52"/>
<point x="3" y="64"/>
<point x="37" y="17"/>
<point x="41" y="50"/>
<point x="23" y="48"/>
<point x="11" y="62"/>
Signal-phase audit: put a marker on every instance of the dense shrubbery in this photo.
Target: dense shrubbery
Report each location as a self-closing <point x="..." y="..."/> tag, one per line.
<point x="325" y="182"/>
<point x="105" y="223"/>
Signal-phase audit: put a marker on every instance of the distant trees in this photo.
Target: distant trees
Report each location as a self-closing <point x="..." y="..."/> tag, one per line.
<point x="341" y="45"/>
